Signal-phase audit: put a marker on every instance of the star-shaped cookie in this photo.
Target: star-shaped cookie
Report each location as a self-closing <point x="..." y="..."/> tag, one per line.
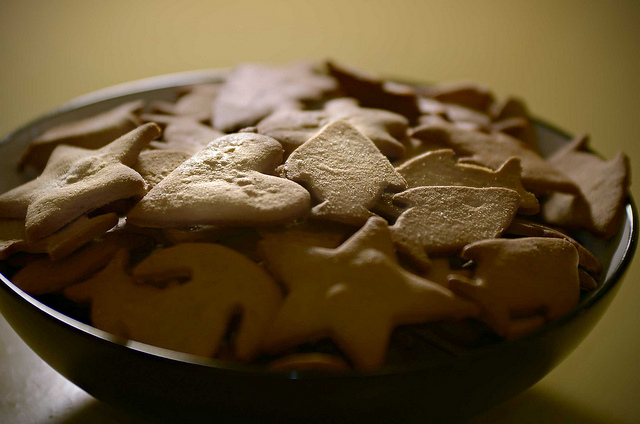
<point x="76" y="181"/>
<point x="355" y="294"/>
<point x="345" y="172"/>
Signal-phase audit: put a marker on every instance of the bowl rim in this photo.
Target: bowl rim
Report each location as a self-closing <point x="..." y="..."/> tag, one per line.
<point x="183" y="79"/>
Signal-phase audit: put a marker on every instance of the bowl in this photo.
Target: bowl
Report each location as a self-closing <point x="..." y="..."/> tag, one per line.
<point x="174" y="387"/>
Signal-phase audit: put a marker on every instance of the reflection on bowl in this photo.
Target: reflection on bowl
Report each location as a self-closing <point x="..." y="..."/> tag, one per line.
<point x="173" y="386"/>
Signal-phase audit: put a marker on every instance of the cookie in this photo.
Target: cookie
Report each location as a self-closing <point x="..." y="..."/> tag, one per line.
<point x="492" y="150"/>
<point x="251" y="92"/>
<point x="314" y="362"/>
<point x="439" y="168"/>
<point x="355" y="295"/>
<point x="445" y="219"/>
<point x="109" y="293"/>
<point x="226" y="183"/>
<point x="604" y="188"/>
<point x="523" y="228"/>
<point x="155" y="165"/>
<point x="46" y="276"/>
<point x="194" y="316"/>
<point x="194" y="103"/>
<point x="90" y="133"/>
<point x="463" y="93"/>
<point x="345" y="173"/>
<point x="520" y="278"/>
<point x="76" y="181"/>
<point x="512" y="111"/>
<point x="374" y="92"/>
<point x="180" y="133"/>
<point x="293" y="127"/>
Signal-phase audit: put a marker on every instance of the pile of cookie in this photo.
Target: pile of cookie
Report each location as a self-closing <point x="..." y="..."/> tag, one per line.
<point x="289" y="208"/>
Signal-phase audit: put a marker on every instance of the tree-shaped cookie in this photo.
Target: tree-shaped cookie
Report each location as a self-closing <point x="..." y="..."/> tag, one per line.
<point x="345" y="172"/>
<point x="604" y="187"/>
<point x="520" y="278"/>
<point x="445" y="219"/>
<point x="90" y="133"/>
<point x="293" y="127"/>
<point x="76" y="181"/>
<point x="110" y="292"/>
<point x="193" y="317"/>
<point x="355" y="294"/>
<point x="493" y="150"/>
<point x="439" y="168"/>
<point x="251" y="92"/>
<point x="226" y="183"/>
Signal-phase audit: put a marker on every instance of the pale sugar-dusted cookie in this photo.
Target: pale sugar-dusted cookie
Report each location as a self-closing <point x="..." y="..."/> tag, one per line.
<point x="77" y="181"/>
<point x="445" y="219"/>
<point x="193" y="317"/>
<point x="226" y="183"/>
<point x="492" y="150"/>
<point x="439" y="168"/>
<point x="604" y="187"/>
<point x="345" y="172"/>
<point x="90" y="133"/>
<point x="355" y="295"/>
<point x="520" y="278"/>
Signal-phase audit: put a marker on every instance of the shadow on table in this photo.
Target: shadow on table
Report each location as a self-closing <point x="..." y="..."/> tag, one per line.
<point x="541" y="406"/>
<point x="533" y="406"/>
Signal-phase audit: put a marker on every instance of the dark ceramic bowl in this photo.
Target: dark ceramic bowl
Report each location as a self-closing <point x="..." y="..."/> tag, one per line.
<point x="174" y="387"/>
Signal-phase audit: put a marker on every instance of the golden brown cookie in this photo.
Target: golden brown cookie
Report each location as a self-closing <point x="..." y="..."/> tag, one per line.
<point x="110" y="292"/>
<point x="46" y="276"/>
<point x="76" y="181"/>
<point x="251" y="92"/>
<point x="315" y="362"/>
<point x="464" y="93"/>
<point x="514" y="110"/>
<point x="445" y="219"/>
<point x="193" y="317"/>
<point x="292" y="127"/>
<point x="345" y="172"/>
<point x="492" y="150"/>
<point x="226" y="183"/>
<point x="439" y="168"/>
<point x="90" y="133"/>
<point x="604" y="187"/>
<point x="520" y="278"/>
<point x="355" y="294"/>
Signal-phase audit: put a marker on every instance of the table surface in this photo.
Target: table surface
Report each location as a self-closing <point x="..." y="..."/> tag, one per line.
<point x="576" y="64"/>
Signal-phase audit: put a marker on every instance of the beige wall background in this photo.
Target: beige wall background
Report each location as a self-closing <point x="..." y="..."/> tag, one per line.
<point x="576" y="63"/>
